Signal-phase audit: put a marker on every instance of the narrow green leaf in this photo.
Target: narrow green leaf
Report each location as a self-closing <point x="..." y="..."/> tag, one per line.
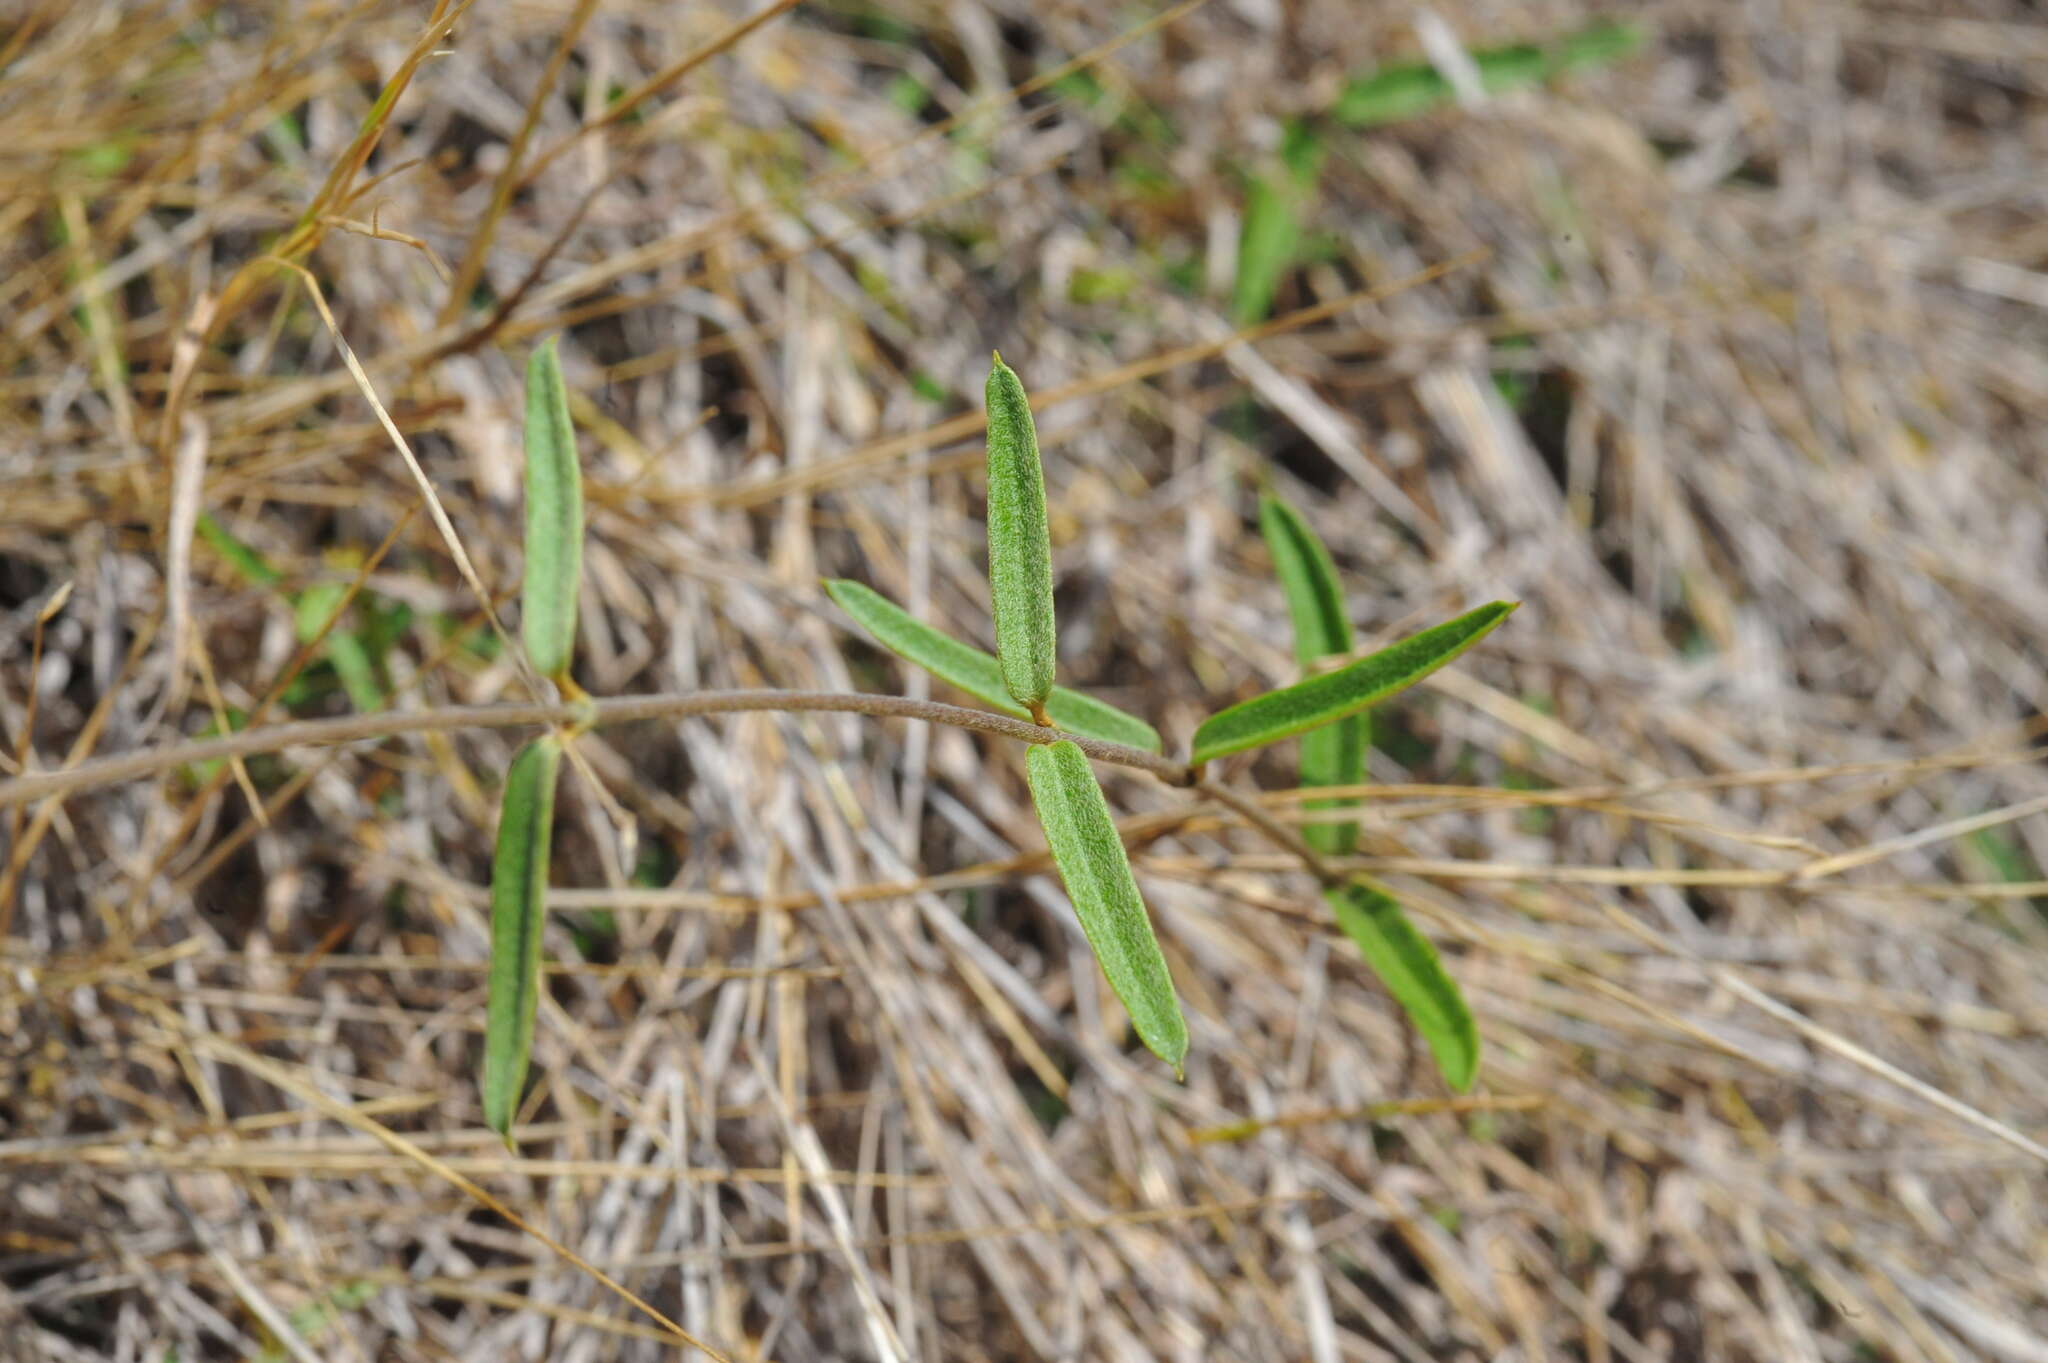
<point x="1407" y="964"/>
<point x="344" y="649"/>
<point x="1599" y="44"/>
<point x="1019" y="547"/>
<point x="1269" y="243"/>
<point x="1309" y="578"/>
<point x="314" y="607"/>
<point x="253" y="567"/>
<point x="1515" y="67"/>
<point x="977" y="673"/>
<point x="351" y="662"/>
<point x="519" y="887"/>
<point x="1097" y="874"/>
<point x="1333" y="695"/>
<point x="1333" y="755"/>
<point x="554" y="517"/>
<point x="1266" y="247"/>
<point x="1390" y="95"/>
<point x="1409" y="89"/>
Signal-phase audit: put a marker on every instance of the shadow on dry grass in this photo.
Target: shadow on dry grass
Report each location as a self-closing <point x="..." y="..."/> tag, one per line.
<point x="1733" y="839"/>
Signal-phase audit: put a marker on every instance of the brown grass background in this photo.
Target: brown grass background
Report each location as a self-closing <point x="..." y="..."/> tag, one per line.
<point x="1732" y="834"/>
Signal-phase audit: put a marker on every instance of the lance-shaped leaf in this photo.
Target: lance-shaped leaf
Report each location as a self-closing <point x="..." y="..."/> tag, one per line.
<point x="554" y="517"/>
<point x="1407" y="964"/>
<point x="519" y="887"/>
<point x="1333" y="755"/>
<point x="977" y="673"/>
<point x="1333" y="695"/>
<point x="1019" y="549"/>
<point x="1097" y="874"/>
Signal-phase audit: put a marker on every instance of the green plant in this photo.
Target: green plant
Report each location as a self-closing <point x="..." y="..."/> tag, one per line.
<point x="1409" y="89"/>
<point x="1018" y="680"/>
<point x="519" y="886"/>
<point x="1067" y="731"/>
<point x="554" y="518"/>
<point x="1270" y="243"/>
<point x="355" y="656"/>
<point x="1333" y="755"/>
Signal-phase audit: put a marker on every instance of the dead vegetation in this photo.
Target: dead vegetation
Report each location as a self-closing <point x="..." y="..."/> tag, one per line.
<point x="1732" y="837"/>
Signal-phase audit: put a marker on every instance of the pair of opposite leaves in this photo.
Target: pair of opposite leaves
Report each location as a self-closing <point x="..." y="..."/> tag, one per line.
<point x="1326" y="708"/>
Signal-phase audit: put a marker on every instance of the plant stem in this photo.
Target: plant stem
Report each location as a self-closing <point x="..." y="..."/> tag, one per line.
<point x="1275" y="832"/>
<point x="614" y="710"/>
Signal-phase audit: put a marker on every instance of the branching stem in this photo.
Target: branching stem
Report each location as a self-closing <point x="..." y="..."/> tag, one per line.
<point x="107" y="771"/>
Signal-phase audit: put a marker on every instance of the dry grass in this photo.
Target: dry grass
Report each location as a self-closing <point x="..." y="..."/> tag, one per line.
<point x="1732" y="836"/>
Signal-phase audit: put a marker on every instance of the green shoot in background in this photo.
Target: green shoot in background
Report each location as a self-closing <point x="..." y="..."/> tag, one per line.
<point x="354" y="655"/>
<point x="1270" y="243"/>
<point x="1411" y="89"/>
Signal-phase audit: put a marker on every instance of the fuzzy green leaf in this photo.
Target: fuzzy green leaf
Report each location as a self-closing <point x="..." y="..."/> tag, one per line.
<point x="1333" y="755"/>
<point x="1266" y="248"/>
<point x="1333" y="695"/>
<point x="1407" y="964"/>
<point x="1019" y="547"/>
<point x="519" y="887"/>
<point x="1097" y="874"/>
<point x="977" y="673"/>
<point x="554" y="517"/>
